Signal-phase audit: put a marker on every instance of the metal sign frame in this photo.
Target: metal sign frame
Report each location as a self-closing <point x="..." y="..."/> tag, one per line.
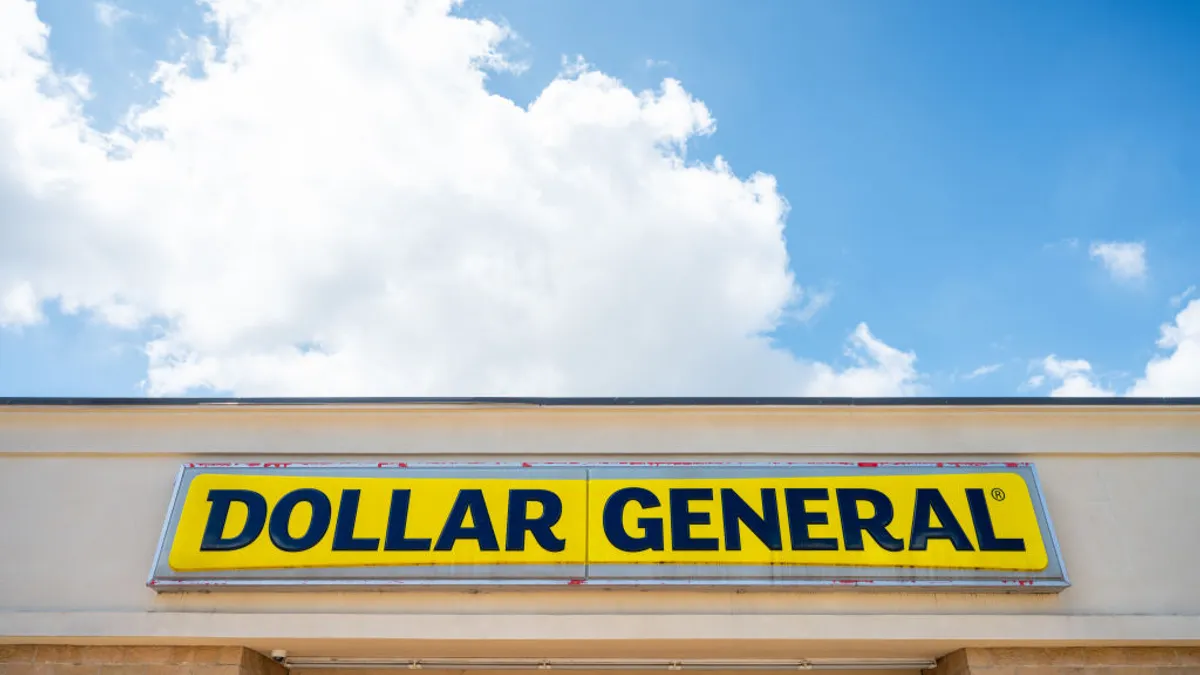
<point x="1052" y="579"/>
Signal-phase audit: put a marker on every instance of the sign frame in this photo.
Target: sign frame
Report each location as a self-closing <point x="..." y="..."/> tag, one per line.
<point x="1052" y="579"/>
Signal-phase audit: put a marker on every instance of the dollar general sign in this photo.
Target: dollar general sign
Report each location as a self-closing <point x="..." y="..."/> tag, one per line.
<point x="979" y="525"/>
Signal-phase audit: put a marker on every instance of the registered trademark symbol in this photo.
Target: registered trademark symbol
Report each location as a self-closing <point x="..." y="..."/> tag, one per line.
<point x="998" y="494"/>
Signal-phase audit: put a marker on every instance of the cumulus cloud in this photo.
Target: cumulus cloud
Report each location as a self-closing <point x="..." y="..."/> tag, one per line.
<point x="1176" y="373"/>
<point x="1125" y="261"/>
<point x="19" y="306"/>
<point x="331" y="202"/>
<point x="880" y="371"/>
<point x="1071" y="377"/>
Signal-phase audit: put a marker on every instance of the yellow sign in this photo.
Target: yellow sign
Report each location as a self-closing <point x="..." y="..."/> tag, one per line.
<point x="981" y="520"/>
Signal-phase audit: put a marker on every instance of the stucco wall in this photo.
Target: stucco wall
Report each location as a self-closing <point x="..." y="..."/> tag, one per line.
<point x="83" y="492"/>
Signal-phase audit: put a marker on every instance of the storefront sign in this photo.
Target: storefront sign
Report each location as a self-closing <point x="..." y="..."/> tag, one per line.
<point x="946" y="526"/>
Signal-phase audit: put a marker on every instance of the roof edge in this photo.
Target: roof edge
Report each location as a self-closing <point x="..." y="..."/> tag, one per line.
<point x="616" y="401"/>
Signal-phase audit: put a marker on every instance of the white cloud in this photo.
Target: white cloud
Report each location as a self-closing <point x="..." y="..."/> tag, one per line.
<point x="1177" y="300"/>
<point x="1178" y="373"/>
<point x="983" y="370"/>
<point x="1174" y="374"/>
<point x="880" y="371"/>
<point x="1072" y="377"/>
<point x="333" y="204"/>
<point x="1060" y="369"/>
<point x="19" y="306"/>
<point x="1125" y="261"/>
<point x="109" y="15"/>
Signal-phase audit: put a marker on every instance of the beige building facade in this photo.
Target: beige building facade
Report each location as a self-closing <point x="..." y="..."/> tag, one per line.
<point x="85" y="487"/>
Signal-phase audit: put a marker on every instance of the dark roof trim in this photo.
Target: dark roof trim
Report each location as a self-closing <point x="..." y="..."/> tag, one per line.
<point x="611" y="402"/>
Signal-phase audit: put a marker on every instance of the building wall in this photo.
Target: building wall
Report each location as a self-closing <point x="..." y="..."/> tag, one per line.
<point x="84" y="491"/>
<point x="60" y="659"/>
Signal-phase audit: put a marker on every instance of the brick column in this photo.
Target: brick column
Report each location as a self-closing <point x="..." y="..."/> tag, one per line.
<point x="105" y="660"/>
<point x="1071" y="661"/>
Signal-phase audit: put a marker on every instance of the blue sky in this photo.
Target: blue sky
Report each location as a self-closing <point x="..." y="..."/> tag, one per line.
<point x="947" y="165"/>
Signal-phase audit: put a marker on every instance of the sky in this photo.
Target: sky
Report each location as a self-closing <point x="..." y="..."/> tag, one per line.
<point x="515" y="197"/>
